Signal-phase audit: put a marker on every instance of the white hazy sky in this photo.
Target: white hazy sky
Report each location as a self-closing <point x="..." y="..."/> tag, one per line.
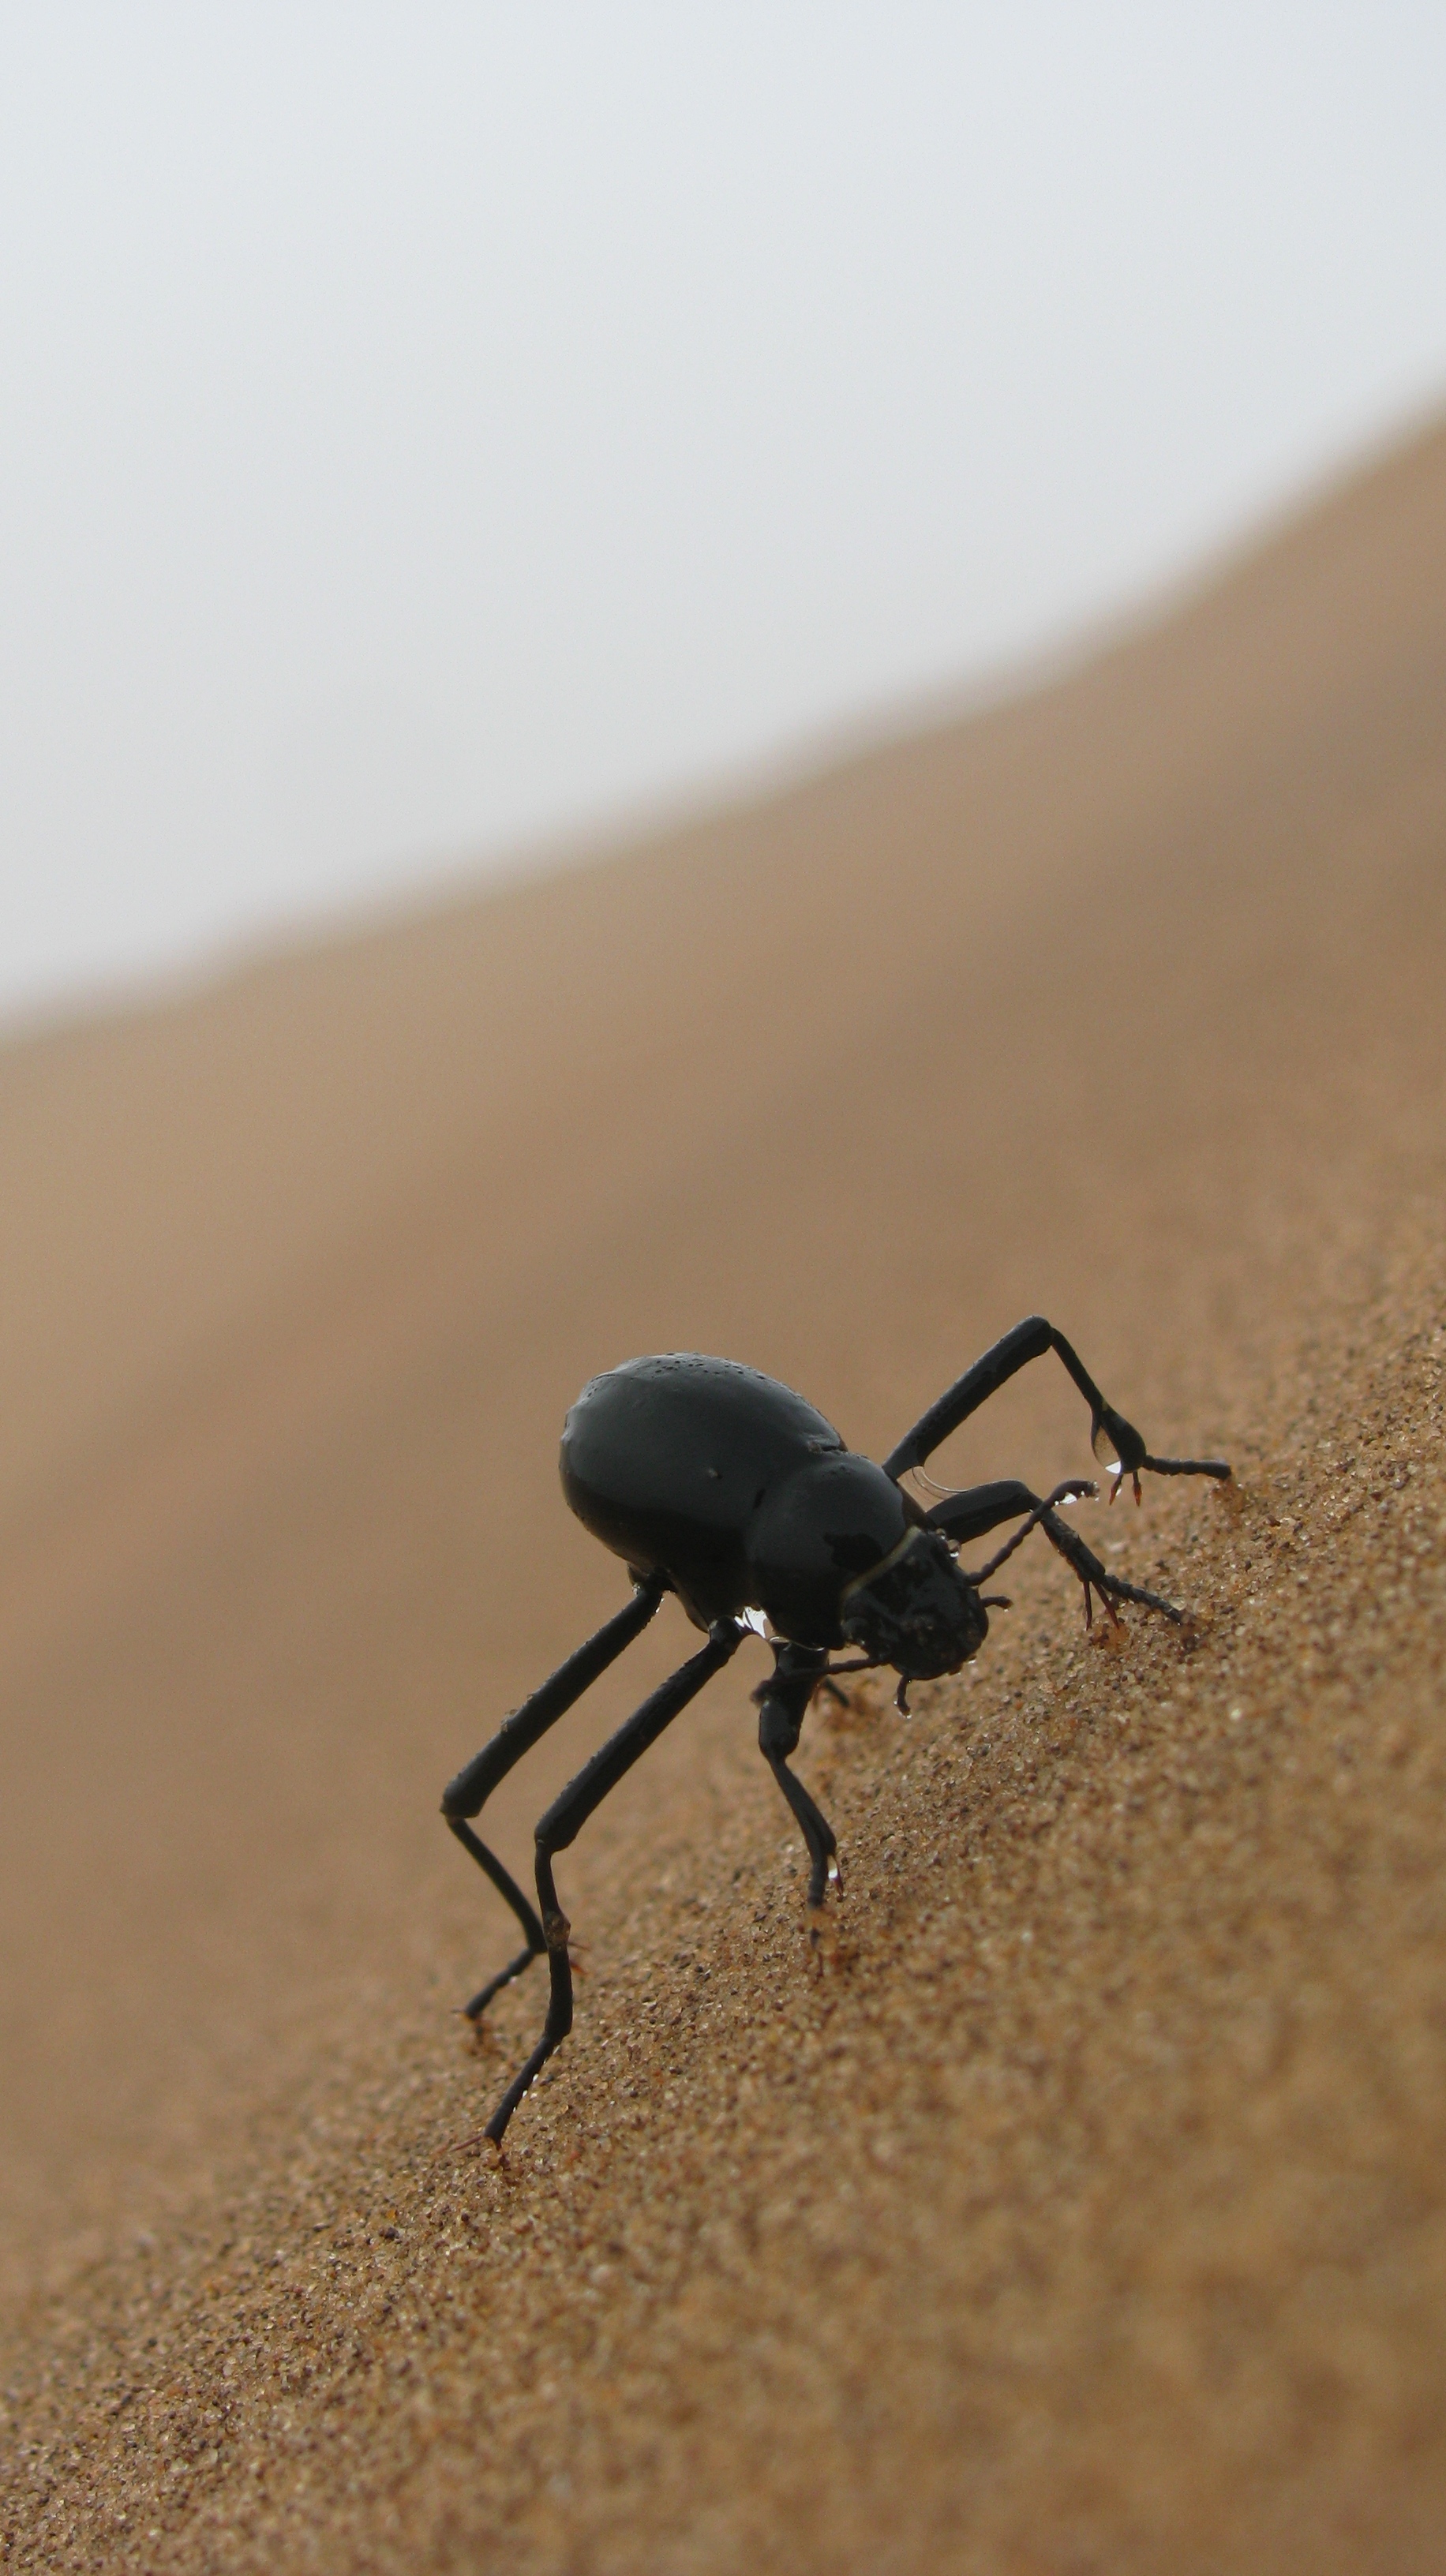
<point x="430" y="428"/>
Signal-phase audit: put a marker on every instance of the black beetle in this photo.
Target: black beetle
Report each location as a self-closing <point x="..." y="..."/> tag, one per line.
<point x="718" y="1484"/>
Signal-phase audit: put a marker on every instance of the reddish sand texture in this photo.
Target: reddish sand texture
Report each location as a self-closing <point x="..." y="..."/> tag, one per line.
<point x="1079" y="2204"/>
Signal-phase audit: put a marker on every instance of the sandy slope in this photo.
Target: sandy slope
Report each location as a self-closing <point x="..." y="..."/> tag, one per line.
<point x="1085" y="2211"/>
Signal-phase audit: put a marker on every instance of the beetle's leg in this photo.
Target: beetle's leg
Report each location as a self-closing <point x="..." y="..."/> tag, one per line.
<point x="1083" y="1562"/>
<point x="565" y="1819"/>
<point x="1070" y="1492"/>
<point x="1111" y="1437"/>
<point x="468" y="1793"/>
<point x="782" y="1702"/>
<point x="967" y="1515"/>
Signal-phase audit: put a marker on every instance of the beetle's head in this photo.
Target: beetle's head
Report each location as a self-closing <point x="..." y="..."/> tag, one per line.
<point x="916" y="1611"/>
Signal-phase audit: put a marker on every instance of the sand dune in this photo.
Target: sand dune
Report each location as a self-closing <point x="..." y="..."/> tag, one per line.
<point x="1084" y="2210"/>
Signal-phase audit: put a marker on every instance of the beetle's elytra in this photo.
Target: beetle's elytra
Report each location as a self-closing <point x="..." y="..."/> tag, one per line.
<point x="717" y="1484"/>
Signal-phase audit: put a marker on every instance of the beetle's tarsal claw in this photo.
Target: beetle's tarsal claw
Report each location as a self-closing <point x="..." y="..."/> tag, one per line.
<point x="472" y="2145"/>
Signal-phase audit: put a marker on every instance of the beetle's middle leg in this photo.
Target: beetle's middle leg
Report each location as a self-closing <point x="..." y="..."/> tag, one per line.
<point x="782" y="1702"/>
<point x="468" y="1794"/>
<point x="565" y="1819"/>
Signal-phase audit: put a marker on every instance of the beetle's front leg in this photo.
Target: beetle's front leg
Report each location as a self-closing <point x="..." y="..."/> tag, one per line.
<point x="1118" y="1446"/>
<point x="1121" y="1450"/>
<point x="1116" y="1442"/>
<point x="1111" y="1588"/>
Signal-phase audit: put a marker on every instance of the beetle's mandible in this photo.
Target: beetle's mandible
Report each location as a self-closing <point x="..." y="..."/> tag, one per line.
<point x="717" y="1484"/>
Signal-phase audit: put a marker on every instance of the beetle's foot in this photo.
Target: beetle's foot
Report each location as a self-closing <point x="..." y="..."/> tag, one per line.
<point x="1113" y="1631"/>
<point x="472" y="2145"/>
<point x="1118" y="1447"/>
<point x="1120" y="1474"/>
<point x="1219" y="1468"/>
<point x="832" y="1949"/>
<point x="1111" y="1588"/>
<point x="1111" y="1637"/>
<point x="1089" y="1601"/>
<point x="824" y="1874"/>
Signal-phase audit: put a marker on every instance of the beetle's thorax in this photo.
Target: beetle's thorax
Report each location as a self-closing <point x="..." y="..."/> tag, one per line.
<point x="811" y="1534"/>
<point x="840" y="1555"/>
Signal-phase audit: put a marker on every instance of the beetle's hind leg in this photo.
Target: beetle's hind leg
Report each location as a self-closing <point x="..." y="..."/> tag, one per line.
<point x="564" y="1821"/>
<point x="467" y="1795"/>
<point x="782" y="1702"/>
<point x="507" y="1888"/>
